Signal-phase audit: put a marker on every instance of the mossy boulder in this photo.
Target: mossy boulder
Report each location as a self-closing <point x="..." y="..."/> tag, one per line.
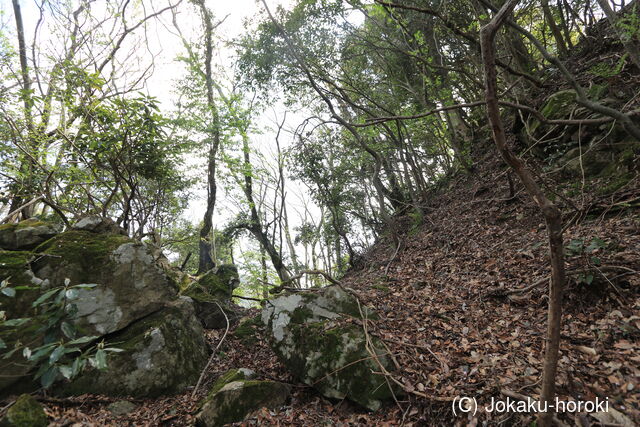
<point x="224" y="379"/>
<point x="25" y="412"/>
<point x="211" y="294"/>
<point x="27" y="234"/>
<point x="220" y="281"/>
<point x="130" y="283"/>
<point x="99" y="224"/>
<point x="238" y="399"/>
<point x="323" y="352"/>
<point x="163" y="354"/>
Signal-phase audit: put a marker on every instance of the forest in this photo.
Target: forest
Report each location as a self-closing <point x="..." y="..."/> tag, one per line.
<point x="319" y="212"/>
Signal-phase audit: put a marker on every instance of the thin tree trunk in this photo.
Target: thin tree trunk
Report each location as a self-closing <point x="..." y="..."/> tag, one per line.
<point x="552" y="215"/>
<point x="205" y="259"/>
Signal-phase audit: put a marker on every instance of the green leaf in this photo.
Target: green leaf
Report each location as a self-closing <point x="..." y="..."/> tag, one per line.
<point x="101" y="359"/>
<point x="71" y="294"/>
<point x="44" y="297"/>
<point x="16" y="322"/>
<point x="56" y="354"/>
<point x="68" y="330"/>
<point x="49" y="377"/>
<point x="66" y="371"/>
<point x="10" y="292"/>
<point x="83" y="340"/>
<point x="2" y="344"/>
<point x="86" y="285"/>
<point x="41" y="352"/>
<point x="77" y="366"/>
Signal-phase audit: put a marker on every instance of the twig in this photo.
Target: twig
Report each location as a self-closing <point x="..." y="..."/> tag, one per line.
<point x="213" y="355"/>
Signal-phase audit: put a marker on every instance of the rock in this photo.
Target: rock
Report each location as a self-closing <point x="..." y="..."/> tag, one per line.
<point x="134" y="307"/>
<point x="213" y="291"/>
<point x="27" y="234"/>
<point x="324" y="354"/>
<point x="15" y="269"/>
<point x="229" y="376"/>
<point x="25" y="412"/>
<point x="221" y="281"/>
<point x="99" y="224"/>
<point x="237" y="399"/>
<point x="130" y="283"/>
<point x="164" y="353"/>
<point x="121" y="407"/>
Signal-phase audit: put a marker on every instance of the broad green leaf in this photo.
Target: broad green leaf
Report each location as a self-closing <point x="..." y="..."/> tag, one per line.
<point x="56" y="354"/>
<point x="71" y="294"/>
<point x="68" y="330"/>
<point x="49" y="377"/>
<point x="101" y="359"/>
<point x="10" y="292"/>
<point x="82" y="340"/>
<point x="16" y="322"/>
<point x="66" y="371"/>
<point x="44" y="297"/>
<point x="86" y="285"/>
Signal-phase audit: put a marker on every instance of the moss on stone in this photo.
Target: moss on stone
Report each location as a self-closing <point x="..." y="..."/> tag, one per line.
<point x="224" y="379"/>
<point x="237" y="399"/>
<point x="83" y="249"/>
<point x="25" y="412"/>
<point x="221" y="281"/>
<point x="333" y="359"/>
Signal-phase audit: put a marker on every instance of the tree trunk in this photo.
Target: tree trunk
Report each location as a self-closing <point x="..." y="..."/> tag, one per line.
<point x="550" y="211"/>
<point x="205" y="259"/>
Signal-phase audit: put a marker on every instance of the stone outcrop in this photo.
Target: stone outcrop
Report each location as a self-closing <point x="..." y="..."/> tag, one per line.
<point x="211" y="294"/>
<point x="134" y="307"/>
<point x="235" y="395"/>
<point x="323" y="352"/>
<point x="164" y="353"/>
<point x="26" y="234"/>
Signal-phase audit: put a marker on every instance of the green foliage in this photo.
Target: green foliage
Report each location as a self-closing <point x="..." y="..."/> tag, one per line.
<point x="604" y="70"/>
<point x="64" y="351"/>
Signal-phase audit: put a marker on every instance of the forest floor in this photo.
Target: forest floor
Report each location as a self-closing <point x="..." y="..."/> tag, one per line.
<point x="463" y="309"/>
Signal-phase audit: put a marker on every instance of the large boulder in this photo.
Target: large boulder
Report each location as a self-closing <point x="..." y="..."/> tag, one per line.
<point x="235" y="395"/>
<point x="27" y="234"/>
<point x="130" y="283"/>
<point x="164" y="353"/>
<point x="322" y="351"/>
<point x="134" y="306"/>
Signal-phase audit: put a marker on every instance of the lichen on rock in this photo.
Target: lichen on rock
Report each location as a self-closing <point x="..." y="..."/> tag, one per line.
<point x="333" y="357"/>
<point x="164" y="353"/>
